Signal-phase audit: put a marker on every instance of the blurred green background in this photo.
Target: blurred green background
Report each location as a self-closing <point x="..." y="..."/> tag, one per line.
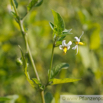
<point x="78" y="15"/>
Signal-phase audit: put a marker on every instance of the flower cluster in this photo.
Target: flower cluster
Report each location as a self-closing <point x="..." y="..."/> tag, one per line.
<point x="66" y="47"/>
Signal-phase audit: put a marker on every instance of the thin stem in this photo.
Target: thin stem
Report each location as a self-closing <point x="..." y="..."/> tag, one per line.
<point x="28" y="49"/>
<point x="51" y="60"/>
<point x="42" y="95"/>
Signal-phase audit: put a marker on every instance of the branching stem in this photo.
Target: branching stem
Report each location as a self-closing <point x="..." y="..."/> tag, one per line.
<point x="20" y="22"/>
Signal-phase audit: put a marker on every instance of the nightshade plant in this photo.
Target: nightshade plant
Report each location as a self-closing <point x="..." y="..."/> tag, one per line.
<point x="59" y="33"/>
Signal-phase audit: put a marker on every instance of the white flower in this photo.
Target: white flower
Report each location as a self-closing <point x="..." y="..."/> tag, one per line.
<point x="77" y="42"/>
<point x="65" y="46"/>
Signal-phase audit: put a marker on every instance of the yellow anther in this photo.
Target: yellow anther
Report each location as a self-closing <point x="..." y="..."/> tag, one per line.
<point x="65" y="49"/>
<point x="81" y="43"/>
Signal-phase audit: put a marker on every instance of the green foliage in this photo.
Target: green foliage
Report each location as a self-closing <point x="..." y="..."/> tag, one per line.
<point x="15" y="16"/>
<point x="57" y="69"/>
<point x="25" y="68"/>
<point x="65" y="80"/>
<point x="58" y="23"/>
<point x="39" y="2"/>
<point x="51" y="25"/>
<point x="58" y="28"/>
<point x="34" y="3"/>
<point x="15" y="2"/>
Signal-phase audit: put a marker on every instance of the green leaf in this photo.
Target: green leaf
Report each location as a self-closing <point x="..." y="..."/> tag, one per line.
<point x="67" y="31"/>
<point x="39" y="3"/>
<point x="48" y="97"/>
<point x="25" y="68"/>
<point x="36" y="81"/>
<point x="58" y="22"/>
<point x="65" y="80"/>
<point x="4" y="98"/>
<point x="15" y="2"/>
<point x="51" y="25"/>
<point x="57" y="69"/>
<point x="32" y="4"/>
<point x="15" y="16"/>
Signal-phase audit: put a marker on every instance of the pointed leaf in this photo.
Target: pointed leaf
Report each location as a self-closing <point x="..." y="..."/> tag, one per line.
<point x="25" y="68"/>
<point x="57" y="69"/>
<point x="36" y="81"/>
<point x="51" y="25"/>
<point x="32" y="4"/>
<point x="58" y="22"/>
<point x="15" y="2"/>
<point x="67" y="31"/>
<point x="65" y="80"/>
<point x="39" y="3"/>
<point x="15" y="16"/>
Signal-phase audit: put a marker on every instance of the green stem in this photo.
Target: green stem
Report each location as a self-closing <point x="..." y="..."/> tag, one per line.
<point x="42" y="96"/>
<point x="28" y="49"/>
<point x="51" y="60"/>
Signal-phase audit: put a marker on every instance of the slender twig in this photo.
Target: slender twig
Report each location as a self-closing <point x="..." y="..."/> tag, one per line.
<point x="20" y="22"/>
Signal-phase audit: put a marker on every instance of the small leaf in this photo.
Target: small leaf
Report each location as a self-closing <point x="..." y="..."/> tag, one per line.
<point x="19" y="61"/>
<point x="15" y="2"/>
<point x="36" y="81"/>
<point x="39" y="3"/>
<point x="51" y="25"/>
<point x="58" y="22"/>
<point x="32" y="4"/>
<point x="57" y="69"/>
<point x="15" y="16"/>
<point x="48" y="97"/>
<point x="65" y="80"/>
<point x="67" y="31"/>
<point x="25" y="68"/>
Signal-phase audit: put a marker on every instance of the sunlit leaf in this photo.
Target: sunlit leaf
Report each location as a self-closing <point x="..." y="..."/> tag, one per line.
<point x="48" y="97"/>
<point x="57" y="69"/>
<point x="32" y="4"/>
<point x="65" y="80"/>
<point x="36" y="81"/>
<point x="58" y="22"/>
<point x="25" y="69"/>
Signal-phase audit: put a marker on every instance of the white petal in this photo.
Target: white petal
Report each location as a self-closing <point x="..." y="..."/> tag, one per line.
<point x="63" y="43"/>
<point x="69" y="43"/>
<point x="68" y="47"/>
<point x="60" y="47"/>
<point x="74" y="47"/>
<point x="77" y="39"/>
